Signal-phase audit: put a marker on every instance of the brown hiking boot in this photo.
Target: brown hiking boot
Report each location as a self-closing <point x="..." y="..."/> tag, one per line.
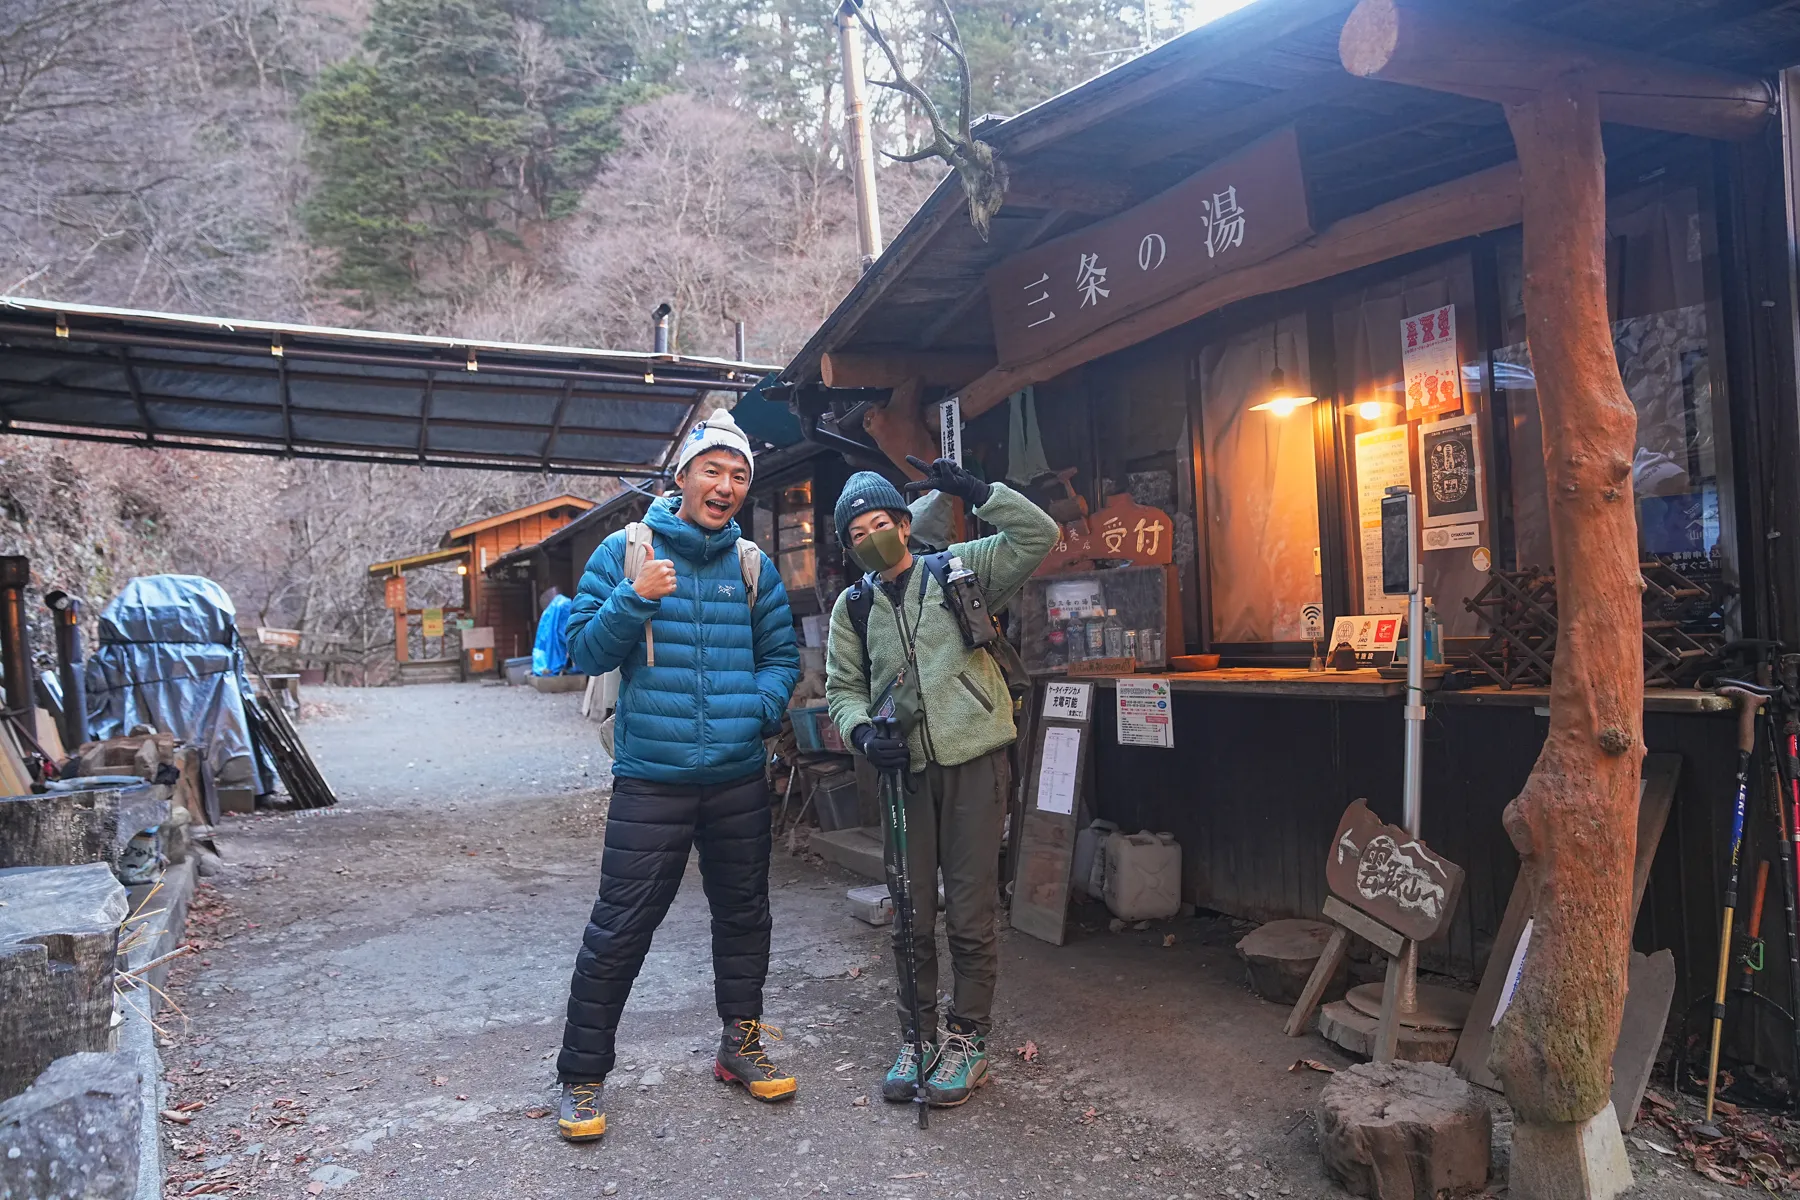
<point x="742" y="1060"/>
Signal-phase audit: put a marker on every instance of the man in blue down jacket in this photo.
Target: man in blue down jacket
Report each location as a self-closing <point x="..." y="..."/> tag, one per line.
<point x="694" y="706"/>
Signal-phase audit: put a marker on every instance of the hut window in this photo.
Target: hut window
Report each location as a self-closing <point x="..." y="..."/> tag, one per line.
<point x="1367" y="337"/>
<point x="1262" y="504"/>
<point x="794" y="537"/>
<point x="1664" y="335"/>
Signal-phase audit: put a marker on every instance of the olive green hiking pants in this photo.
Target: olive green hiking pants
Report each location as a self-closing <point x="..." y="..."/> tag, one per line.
<point x="954" y="819"/>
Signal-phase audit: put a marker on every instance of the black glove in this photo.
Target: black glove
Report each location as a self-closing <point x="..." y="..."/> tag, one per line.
<point x="883" y="753"/>
<point x="945" y="476"/>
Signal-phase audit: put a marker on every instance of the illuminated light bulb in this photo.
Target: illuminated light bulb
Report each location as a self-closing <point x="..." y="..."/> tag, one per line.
<point x="1369" y="410"/>
<point x="1283" y="406"/>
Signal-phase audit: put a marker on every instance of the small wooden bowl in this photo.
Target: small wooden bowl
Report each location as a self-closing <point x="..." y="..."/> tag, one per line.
<point x="1195" y="662"/>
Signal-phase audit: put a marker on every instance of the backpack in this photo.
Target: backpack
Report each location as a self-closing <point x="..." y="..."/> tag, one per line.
<point x="861" y="603"/>
<point x="638" y="548"/>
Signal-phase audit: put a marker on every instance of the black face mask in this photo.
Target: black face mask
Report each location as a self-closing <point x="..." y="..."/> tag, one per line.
<point x="881" y="550"/>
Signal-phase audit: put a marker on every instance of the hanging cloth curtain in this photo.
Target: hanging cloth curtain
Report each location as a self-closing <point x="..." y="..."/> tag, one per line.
<point x="1025" y="459"/>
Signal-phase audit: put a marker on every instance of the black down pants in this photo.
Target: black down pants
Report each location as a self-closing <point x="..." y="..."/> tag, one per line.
<point x="649" y="828"/>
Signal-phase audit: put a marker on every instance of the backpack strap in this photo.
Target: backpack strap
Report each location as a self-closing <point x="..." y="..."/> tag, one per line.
<point x="859" y="605"/>
<point x="638" y="549"/>
<point x="750" y="566"/>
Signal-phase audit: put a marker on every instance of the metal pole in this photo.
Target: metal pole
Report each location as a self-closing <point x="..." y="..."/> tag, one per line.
<point x="15" y="573"/>
<point x="857" y="146"/>
<point x="1408" y="1000"/>
<point x="739" y="340"/>
<point x="660" y="332"/>
<point x="65" y="614"/>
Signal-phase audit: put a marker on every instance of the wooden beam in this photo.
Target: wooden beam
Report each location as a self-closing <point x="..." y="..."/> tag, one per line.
<point x="1057" y="190"/>
<point x="1218" y="130"/>
<point x="1510" y="64"/>
<point x="1461" y="208"/>
<point x="1228" y="40"/>
<point x="878" y="369"/>
<point x="899" y="428"/>
<point x="942" y="323"/>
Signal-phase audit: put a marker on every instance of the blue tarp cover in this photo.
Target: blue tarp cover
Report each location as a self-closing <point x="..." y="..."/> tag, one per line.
<point x="550" y="653"/>
<point x="169" y="657"/>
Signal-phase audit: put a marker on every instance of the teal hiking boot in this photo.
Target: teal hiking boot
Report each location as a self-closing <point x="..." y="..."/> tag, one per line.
<point x="961" y="1066"/>
<point x="898" y="1086"/>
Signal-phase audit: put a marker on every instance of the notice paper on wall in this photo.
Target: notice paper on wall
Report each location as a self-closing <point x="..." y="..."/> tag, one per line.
<point x="1145" y="715"/>
<point x="1067" y="701"/>
<point x="1057" y="776"/>
<point x="1433" y="377"/>
<point x="1382" y="461"/>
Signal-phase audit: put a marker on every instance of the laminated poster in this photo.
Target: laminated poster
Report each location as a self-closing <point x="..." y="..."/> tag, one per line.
<point x="1057" y="775"/>
<point x="1145" y="715"/>
<point x="1433" y="376"/>
<point x="1382" y="461"/>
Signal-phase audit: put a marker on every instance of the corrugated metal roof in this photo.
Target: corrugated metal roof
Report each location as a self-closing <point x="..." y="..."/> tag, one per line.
<point x="307" y="391"/>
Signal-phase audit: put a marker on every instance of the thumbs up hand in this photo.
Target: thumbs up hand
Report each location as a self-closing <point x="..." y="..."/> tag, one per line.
<point x="657" y="579"/>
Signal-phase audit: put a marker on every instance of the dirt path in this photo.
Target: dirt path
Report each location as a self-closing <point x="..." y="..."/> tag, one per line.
<point x="378" y="1004"/>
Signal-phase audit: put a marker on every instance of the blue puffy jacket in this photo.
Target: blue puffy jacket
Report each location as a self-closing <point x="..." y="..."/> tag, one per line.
<point x="723" y="674"/>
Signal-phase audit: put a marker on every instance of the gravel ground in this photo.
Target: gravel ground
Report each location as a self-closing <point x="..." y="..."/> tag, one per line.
<point x="377" y="1004"/>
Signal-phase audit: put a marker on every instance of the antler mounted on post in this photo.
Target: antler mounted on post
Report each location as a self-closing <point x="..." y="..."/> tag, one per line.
<point x="983" y="175"/>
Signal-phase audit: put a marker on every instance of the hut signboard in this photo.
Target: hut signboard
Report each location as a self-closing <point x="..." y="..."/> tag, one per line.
<point x="1233" y="214"/>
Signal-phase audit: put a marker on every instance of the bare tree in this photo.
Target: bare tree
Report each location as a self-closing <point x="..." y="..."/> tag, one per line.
<point x="982" y="173"/>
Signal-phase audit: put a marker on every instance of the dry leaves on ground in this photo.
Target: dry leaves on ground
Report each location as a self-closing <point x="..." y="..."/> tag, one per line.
<point x="1028" y="1051"/>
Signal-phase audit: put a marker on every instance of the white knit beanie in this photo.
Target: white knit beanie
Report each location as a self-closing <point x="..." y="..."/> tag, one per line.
<point x="717" y="431"/>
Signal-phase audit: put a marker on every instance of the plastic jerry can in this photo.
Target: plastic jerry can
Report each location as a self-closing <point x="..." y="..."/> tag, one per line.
<point x="1143" y="876"/>
<point x="1087" y="873"/>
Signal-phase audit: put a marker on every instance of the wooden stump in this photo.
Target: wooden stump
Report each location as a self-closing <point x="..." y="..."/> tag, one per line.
<point x="1404" y="1131"/>
<point x="1279" y="957"/>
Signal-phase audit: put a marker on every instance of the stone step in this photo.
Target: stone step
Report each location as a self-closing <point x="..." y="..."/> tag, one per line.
<point x="856" y="850"/>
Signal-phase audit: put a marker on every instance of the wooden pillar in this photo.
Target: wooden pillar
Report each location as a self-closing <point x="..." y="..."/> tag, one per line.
<point x="1574" y="824"/>
<point x="400" y="638"/>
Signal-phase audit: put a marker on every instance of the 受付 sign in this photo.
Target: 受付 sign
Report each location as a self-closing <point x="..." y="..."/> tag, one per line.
<point x="1233" y="214"/>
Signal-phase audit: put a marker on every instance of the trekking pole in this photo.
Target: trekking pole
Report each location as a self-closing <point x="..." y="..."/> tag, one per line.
<point x="1784" y="755"/>
<point x="893" y="788"/>
<point x="1749" y="698"/>
<point x="1752" y="957"/>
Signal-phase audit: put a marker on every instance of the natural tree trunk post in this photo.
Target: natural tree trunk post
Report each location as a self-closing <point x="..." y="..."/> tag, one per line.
<point x="1574" y="824"/>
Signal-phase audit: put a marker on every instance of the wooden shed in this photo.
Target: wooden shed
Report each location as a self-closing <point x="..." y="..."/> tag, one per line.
<point x="504" y="606"/>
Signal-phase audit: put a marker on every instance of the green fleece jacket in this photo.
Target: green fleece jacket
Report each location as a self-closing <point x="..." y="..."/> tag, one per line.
<point x="967" y="710"/>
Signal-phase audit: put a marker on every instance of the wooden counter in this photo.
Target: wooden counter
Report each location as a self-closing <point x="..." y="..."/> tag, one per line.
<point x="1279" y="681"/>
<point x="1368" y="684"/>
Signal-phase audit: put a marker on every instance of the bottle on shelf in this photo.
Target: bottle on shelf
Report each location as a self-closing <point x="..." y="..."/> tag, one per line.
<point x="1094" y="635"/>
<point x="1113" y="634"/>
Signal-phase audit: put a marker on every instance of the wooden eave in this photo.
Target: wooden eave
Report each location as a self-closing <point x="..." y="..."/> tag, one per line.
<point x="519" y="514"/>
<point x="1157" y="119"/>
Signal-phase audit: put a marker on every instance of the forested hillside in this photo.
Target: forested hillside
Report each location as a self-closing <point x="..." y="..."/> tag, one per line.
<point x="528" y="170"/>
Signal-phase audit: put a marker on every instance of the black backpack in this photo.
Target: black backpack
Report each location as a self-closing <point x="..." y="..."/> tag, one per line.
<point x="861" y="602"/>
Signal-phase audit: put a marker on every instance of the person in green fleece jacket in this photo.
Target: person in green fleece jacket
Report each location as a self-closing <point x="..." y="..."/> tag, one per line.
<point x="955" y="755"/>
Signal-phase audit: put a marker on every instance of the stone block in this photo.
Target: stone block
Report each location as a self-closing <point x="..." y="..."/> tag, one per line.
<point x="1404" y="1131"/>
<point x="59" y="938"/>
<point x="1583" y="1160"/>
<point x="75" y="1131"/>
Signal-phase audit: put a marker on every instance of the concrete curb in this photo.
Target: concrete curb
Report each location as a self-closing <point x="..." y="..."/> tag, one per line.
<point x="163" y="932"/>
